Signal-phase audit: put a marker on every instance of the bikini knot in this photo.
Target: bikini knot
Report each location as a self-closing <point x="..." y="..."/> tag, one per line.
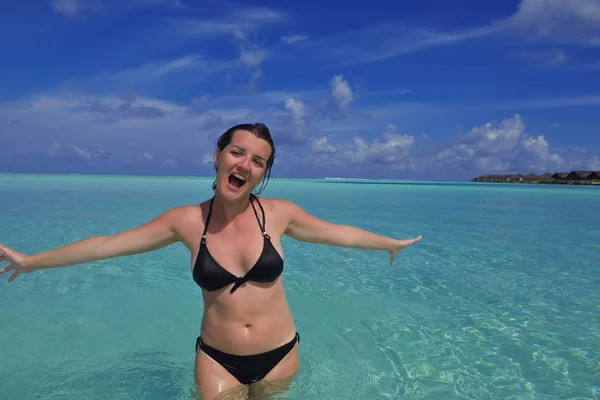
<point x="237" y="283"/>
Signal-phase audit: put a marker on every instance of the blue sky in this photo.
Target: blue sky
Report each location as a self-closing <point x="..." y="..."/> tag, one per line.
<point x="408" y="90"/>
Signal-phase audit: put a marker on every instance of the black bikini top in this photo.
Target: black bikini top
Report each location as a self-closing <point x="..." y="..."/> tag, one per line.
<point x="210" y="275"/>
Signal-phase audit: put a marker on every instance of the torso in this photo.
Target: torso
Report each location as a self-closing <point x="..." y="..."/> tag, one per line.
<point x="251" y="317"/>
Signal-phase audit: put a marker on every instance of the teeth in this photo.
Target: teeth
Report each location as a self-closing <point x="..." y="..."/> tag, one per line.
<point x="240" y="177"/>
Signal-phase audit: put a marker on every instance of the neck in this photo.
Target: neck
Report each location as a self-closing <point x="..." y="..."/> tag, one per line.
<point x="229" y="209"/>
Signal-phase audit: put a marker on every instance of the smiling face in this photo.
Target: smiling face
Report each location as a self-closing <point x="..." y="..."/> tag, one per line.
<point x="242" y="164"/>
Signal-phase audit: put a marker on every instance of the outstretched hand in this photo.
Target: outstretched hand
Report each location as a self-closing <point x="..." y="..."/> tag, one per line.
<point x="400" y="245"/>
<point x="16" y="262"/>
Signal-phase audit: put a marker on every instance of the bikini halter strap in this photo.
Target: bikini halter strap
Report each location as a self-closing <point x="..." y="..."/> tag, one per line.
<point x="261" y="225"/>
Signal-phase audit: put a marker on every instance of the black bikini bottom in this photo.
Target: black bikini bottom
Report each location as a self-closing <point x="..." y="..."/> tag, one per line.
<point x="251" y="368"/>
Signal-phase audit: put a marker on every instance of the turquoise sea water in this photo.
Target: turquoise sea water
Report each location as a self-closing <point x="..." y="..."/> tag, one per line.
<point x="501" y="299"/>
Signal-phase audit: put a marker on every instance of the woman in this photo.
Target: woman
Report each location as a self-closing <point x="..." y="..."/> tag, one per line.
<point x="248" y="337"/>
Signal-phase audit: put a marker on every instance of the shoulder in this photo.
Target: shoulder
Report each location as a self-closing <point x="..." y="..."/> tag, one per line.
<point x="182" y="215"/>
<point x="281" y="208"/>
<point x="183" y="211"/>
<point x="274" y="203"/>
<point x="186" y="221"/>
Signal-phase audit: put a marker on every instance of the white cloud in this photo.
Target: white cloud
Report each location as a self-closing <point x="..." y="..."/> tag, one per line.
<point x="157" y="70"/>
<point x="490" y="139"/>
<point x="100" y="122"/>
<point x="390" y="149"/>
<point x="561" y="21"/>
<point x="191" y="68"/>
<point x="385" y="41"/>
<point x="169" y="162"/>
<point x="320" y="145"/>
<point x="205" y="29"/>
<point x="238" y="22"/>
<point x="293" y="38"/>
<point x="68" y="7"/>
<point x="136" y="132"/>
<point x="296" y="124"/>
<point x="79" y="8"/>
<point x="296" y="107"/>
<point x="539" y="146"/>
<point x="208" y="159"/>
<point x="495" y="148"/>
<point x="593" y="164"/>
<point x="576" y="21"/>
<point x="550" y="102"/>
<point x="547" y="57"/>
<point x="253" y="57"/>
<point x="489" y="148"/>
<point x="262" y="15"/>
<point x="58" y="150"/>
<point x="80" y="152"/>
<point x="54" y="149"/>
<point x="341" y="92"/>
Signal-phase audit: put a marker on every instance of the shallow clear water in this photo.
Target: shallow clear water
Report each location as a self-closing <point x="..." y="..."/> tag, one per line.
<point x="499" y="301"/>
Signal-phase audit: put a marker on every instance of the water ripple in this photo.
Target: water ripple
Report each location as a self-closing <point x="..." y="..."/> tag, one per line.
<point x="499" y="301"/>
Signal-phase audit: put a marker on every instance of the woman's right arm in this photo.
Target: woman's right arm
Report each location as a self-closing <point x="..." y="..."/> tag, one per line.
<point x="159" y="232"/>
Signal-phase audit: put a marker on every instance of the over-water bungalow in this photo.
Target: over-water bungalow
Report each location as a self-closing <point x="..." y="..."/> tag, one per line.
<point x="531" y="177"/>
<point x="573" y="177"/>
<point x="560" y="175"/>
<point x="583" y="175"/>
<point x="499" y="178"/>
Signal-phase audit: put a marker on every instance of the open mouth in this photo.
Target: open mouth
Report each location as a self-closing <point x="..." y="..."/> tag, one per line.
<point x="236" y="180"/>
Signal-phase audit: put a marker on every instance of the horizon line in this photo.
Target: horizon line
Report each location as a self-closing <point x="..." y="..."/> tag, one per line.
<point x="328" y="178"/>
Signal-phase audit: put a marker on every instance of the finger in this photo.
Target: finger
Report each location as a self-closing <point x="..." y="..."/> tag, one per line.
<point x="6" y="269"/>
<point x="408" y="242"/>
<point x="13" y="276"/>
<point x="393" y="256"/>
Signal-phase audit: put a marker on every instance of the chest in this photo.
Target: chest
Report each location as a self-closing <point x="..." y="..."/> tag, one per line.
<point x="236" y="250"/>
<point x="237" y="246"/>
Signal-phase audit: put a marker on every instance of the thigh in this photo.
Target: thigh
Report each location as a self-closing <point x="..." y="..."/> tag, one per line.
<point x="279" y="379"/>
<point x="264" y="389"/>
<point x="214" y="382"/>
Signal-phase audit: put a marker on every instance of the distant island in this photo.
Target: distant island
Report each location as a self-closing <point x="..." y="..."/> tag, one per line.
<point x="558" y="178"/>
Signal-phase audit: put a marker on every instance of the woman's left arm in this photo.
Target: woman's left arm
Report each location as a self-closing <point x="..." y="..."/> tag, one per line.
<point x="307" y="228"/>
